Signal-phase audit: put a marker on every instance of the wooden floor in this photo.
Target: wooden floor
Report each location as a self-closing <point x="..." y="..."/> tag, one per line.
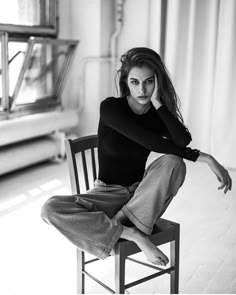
<point x="36" y="259"/>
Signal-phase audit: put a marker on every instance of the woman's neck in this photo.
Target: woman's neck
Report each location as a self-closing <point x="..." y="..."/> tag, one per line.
<point x="137" y="108"/>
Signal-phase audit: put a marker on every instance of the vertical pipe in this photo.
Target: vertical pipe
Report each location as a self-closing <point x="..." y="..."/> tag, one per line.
<point x="118" y="26"/>
<point x="114" y="37"/>
<point x="164" y="4"/>
<point x="112" y="58"/>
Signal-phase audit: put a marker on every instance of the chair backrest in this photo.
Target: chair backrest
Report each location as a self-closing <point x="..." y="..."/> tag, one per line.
<point x="82" y="159"/>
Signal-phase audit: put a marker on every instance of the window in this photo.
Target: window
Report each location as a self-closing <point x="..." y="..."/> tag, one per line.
<point x="42" y="73"/>
<point x="33" y="62"/>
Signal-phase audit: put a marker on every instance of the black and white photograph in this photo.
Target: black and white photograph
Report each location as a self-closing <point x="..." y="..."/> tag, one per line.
<point x="117" y="147"/>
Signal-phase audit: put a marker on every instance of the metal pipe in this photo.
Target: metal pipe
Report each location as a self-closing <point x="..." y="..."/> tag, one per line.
<point x="118" y="27"/>
<point x="112" y="58"/>
<point x="164" y="4"/>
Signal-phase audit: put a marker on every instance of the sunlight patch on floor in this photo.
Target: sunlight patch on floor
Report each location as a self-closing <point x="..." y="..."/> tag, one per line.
<point x="54" y="187"/>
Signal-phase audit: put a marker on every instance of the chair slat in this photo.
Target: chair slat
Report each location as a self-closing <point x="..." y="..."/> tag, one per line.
<point x="73" y="172"/>
<point x="93" y="164"/>
<point x="86" y="179"/>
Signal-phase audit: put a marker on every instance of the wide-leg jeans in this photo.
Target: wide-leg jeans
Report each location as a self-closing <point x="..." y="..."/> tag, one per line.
<point x="86" y="219"/>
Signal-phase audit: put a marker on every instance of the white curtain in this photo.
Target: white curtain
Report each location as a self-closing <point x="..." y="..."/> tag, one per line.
<point x="200" y="53"/>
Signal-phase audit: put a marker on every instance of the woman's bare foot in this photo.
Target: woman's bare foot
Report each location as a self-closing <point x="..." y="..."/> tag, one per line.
<point x="152" y="253"/>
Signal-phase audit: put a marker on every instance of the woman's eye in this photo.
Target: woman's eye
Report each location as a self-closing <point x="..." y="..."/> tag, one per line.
<point x="134" y="82"/>
<point x="150" y="81"/>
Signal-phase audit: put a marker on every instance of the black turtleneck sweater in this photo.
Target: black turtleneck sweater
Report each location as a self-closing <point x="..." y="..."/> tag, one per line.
<point x="125" y="140"/>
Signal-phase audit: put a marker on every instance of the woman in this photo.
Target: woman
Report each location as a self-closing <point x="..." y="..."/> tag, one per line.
<point x="128" y="199"/>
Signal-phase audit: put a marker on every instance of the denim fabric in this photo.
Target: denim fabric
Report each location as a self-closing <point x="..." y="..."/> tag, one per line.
<point x="161" y="182"/>
<point x="85" y="219"/>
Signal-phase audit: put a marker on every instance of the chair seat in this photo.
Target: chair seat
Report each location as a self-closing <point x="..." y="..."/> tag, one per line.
<point x="163" y="232"/>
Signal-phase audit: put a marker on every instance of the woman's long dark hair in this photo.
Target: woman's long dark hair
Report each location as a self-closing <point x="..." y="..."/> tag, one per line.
<point x="142" y="56"/>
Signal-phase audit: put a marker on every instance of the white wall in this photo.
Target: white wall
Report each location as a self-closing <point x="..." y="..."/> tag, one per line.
<point x="93" y="22"/>
<point x="141" y="25"/>
<point x="85" y="21"/>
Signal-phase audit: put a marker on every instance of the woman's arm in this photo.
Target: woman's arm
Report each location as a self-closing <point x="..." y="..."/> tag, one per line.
<point x="220" y="172"/>
<point x="114" y="115"/>
<point x="178" y="132"/>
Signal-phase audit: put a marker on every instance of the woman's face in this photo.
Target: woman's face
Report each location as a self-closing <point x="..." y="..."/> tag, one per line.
<point x="141" y="84"/>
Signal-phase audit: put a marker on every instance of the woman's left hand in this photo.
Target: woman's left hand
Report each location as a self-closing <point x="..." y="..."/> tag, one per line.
<point x="155" y="98"/>
<point x="221" y="173"/>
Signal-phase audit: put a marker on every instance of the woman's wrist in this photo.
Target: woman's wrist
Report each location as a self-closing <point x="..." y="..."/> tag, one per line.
<point x="204" y="157"/>
<point x="157" y="104"/>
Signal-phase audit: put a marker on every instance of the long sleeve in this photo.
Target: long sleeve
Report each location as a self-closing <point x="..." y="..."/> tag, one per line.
<point x="115" y="116"/>
<point x="178" y="132"/>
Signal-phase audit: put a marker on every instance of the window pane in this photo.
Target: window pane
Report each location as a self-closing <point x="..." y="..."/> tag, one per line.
<point x="26" y="12"/>
<point x="39" y="77"/>
<point x="43" y="72"/>
<point x="16" y="51"/>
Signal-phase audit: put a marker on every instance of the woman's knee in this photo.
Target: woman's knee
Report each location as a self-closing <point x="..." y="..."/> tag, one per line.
<point x="167" y="167"/>
<point x="169" y="161"/>
<point x="174" y="160"/>
<point x="176" y="163"/>
<point x="49" y="208"/>
<point x="178" y="167"/>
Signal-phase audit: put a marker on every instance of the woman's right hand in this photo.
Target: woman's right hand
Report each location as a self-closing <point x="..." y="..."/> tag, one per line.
<point x="155" y="98"/>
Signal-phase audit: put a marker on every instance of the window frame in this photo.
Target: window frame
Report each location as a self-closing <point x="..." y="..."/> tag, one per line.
<point x="50" y="101"/>
<point x="23" y="30"/>
<point x="4" y="73"/>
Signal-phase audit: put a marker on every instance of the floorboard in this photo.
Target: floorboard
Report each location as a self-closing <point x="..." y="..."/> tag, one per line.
<point x="41" y="261"/>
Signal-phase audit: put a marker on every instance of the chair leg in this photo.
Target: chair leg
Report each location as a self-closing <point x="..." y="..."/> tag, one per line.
<point x="174" y="260"/>
<point x="80" y="269"/>
<point x="119" y="270"/>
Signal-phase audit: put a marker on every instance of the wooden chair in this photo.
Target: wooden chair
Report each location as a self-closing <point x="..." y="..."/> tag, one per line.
<point x="165" y="231"/>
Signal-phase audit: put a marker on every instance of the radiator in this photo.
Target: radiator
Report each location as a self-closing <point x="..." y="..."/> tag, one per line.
<point x="34" y="138"/>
